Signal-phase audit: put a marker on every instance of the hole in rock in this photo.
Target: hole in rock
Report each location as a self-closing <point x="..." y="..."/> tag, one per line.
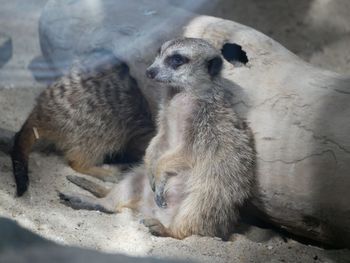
<point x="234" y="54"/>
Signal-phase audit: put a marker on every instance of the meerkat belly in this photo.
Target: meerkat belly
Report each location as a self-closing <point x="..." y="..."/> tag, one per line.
<point x="175" y="194"/>
<point x="179" y="111"/>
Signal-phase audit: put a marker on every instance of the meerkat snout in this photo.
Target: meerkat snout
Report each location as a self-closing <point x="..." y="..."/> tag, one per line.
<point x="151" y="72"/>
<point x="185" y="63"/>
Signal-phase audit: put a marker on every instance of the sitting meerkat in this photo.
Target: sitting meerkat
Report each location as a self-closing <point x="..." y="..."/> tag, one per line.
<point x="199" y="168"/>
<point x="94" y="111"/>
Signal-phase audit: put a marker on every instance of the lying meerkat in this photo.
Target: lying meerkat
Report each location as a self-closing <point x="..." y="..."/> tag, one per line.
<point x="198" y="169"/>
<point x="94" y="111"/>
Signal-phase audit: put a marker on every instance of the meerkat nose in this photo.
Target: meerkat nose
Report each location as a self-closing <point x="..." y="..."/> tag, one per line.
<point x="151" y="72"/>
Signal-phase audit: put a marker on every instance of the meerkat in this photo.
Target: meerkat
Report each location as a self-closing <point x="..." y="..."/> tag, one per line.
<point x="95" y="110"/>
<point x="199" y="168"/>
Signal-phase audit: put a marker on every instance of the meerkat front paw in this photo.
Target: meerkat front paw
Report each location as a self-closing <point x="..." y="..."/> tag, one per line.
<point x="159" y="188"/>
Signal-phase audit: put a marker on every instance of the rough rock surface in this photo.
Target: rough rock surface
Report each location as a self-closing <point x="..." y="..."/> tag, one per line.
<point x="315" y="30"/>
<point x="297" y="113"/>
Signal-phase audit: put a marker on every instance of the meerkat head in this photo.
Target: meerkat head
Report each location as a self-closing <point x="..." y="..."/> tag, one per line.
<point x="186" y="62"/>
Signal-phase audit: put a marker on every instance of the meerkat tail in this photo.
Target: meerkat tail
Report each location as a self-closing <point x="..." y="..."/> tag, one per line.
<point x="95" y="189"/>
<point x="24" y="140"/>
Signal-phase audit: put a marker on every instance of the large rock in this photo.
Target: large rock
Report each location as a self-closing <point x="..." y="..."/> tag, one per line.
<point x="298" y="113"/>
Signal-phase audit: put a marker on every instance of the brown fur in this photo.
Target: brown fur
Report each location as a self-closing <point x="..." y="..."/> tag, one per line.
<point x="94" y="111"/>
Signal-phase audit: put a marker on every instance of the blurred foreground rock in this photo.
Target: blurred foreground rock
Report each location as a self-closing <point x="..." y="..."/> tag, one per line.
<point x="19" y="245"/>
<point x="298" y="113"/>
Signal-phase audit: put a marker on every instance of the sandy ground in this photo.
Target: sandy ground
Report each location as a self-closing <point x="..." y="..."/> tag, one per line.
<point x="41" y="212"/>
<point x="40" y="209"/>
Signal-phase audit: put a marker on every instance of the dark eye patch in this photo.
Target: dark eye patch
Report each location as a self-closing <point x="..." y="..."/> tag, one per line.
<point x="176" y="60"/>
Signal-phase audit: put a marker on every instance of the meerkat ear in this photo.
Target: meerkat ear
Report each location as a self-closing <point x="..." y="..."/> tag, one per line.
<point x="215" y="66"/>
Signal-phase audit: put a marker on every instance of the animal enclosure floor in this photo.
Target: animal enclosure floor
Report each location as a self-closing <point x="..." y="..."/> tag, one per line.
<point x="41" y="211"/>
